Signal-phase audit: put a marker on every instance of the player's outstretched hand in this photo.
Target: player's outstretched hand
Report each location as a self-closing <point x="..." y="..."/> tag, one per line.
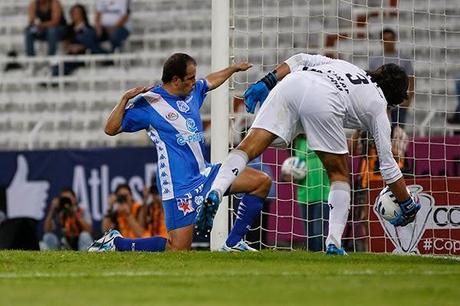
<point x="256" y="93"/>
<point x="131" y="93"/>
<point x="242" y="66"/>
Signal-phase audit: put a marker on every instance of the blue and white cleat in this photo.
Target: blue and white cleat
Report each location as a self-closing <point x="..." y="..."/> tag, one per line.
<point x="241" y="246"/>
<point x="106" y="242"/>
<point x="206" y="213"/>
<point x="333" y="250"/>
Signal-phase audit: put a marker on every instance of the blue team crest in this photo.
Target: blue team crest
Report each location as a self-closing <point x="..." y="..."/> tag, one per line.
<point x="191" y="125"/>
<point x="182" y="106"/>
<point x="185" y="205"/>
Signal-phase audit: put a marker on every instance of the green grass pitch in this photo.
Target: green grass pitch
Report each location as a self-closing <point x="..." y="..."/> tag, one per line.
<point x="209" y="278"/>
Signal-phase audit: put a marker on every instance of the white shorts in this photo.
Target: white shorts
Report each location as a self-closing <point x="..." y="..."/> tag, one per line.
<point x="307" y="99"/>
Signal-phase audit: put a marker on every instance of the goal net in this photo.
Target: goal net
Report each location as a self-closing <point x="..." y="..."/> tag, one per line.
<point x="427" y="45"/>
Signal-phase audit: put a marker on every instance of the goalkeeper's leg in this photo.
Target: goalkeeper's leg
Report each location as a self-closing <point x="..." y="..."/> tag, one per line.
<point x="255" y="142"/>
<point x="339" y="196"/>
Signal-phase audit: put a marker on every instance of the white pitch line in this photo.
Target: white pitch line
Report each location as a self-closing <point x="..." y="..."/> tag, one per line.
<point x="13" y="275"/>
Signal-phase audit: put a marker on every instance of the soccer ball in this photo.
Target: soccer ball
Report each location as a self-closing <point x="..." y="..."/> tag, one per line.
<point x="295" y="167"/>
<point x="387" y="206"/>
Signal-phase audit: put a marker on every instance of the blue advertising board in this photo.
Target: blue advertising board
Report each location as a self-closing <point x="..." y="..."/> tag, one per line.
<point x="31" y="179"/>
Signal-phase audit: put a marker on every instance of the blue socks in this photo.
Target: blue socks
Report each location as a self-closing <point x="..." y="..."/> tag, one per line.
<point x="248" y="210"/>
<point x="151" y="244"/>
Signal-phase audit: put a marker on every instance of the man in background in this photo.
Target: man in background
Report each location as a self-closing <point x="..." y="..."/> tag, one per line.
<point x="393" y="56"/>
<point x="112" y="21"/>
<point x="67" y="219"/>
<point x="312" y="195"/>
<point x="123" y="213"/>
<point x="46" y="22"/>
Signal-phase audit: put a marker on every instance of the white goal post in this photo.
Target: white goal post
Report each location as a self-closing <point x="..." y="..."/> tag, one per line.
<point x="219" y="108"/>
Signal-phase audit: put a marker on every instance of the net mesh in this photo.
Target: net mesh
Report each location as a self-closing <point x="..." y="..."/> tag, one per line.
<point x="427" y="33"/>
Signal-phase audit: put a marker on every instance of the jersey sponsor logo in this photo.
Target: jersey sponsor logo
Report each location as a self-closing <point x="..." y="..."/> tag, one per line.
<point x="182" y="106"/>
<point x="171" y="116"/>
<point x="195" y="136"/>
<point x="185" y="205"/>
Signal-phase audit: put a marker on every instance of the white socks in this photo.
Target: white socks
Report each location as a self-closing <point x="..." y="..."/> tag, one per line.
<point x="339" y="206"/>
<point x="234" y="164"/>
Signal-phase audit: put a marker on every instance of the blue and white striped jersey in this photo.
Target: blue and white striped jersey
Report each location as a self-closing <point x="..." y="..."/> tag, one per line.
<point x="174" y="125"/>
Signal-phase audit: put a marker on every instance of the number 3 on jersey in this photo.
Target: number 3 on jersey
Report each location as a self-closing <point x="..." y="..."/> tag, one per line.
<point x="358" y="79"/>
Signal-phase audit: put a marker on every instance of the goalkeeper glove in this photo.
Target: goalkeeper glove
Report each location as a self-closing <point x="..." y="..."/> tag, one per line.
<point x="258" y="92"/>
<point x="409" y="209"/>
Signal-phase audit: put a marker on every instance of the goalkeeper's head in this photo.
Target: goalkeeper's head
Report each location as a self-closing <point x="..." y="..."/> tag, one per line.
<point x="393" y="81"/>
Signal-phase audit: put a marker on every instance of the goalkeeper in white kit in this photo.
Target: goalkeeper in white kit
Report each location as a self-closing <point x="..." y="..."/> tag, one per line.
<point x="323" y="96"/>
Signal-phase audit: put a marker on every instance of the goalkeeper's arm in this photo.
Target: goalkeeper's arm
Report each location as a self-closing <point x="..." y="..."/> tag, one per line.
<point x="258" y="92"/>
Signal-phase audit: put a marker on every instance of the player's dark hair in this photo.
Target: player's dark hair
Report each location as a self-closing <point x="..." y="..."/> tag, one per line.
<point x="83" y="13"/>
<point x="387" y="30"/>
<point x="69" y="190"/>
<point x="393" y="81"/>
<point x="176" y="65"/>
<point x="123" y="186"/>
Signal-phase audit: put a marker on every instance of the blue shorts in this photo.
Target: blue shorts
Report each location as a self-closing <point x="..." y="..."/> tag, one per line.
<point x="181" y="211"/>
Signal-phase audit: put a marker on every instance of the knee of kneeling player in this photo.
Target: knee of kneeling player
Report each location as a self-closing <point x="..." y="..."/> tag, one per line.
<point x="174" y="245"/>
<point x="264" y="183"/>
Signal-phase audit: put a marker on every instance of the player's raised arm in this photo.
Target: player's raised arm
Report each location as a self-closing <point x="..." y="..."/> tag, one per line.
<point x="113" y="123"/>
<point x="217" y="78"/>
<point x="258" y="92"/>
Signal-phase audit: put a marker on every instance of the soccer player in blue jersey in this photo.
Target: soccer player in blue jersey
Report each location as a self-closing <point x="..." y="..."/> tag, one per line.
<point x="170" y="115"/>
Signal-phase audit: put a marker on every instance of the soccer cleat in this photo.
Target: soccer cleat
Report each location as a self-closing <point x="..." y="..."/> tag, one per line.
<point x="333" y="250"/>
<point x="241" y="246"/>
<point x="206" y="213"/>
<point x="106" y="243"/>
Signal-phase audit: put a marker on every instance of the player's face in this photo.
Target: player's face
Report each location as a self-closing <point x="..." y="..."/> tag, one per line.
<point x="188" y="82"/>
<point x="389" y="42"/>
<point x="76" y="15"/>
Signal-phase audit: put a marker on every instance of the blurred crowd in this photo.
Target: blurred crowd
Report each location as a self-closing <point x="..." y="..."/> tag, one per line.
<point x="68" y="225"/>
<point x="77" y="34"/>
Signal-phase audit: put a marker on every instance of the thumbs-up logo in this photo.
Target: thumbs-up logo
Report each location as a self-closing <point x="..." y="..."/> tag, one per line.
<point x="25" y="198"/>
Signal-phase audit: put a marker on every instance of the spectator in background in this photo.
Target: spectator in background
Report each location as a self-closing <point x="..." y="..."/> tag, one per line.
<point x="112" y="21"/>
<point x="67" y="219"/>
<point x="362" y="144"/>
<point x="46" y="22"/>
<point x="151" y="215"/>
<point x="455" y="118"/>
<point x="312" y="195"/>
<point x="392" y="55"/>
<point x="123" y="213"/>
<point x="80" y="38"/>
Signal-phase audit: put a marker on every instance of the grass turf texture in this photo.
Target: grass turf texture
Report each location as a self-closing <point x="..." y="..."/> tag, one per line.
<point x="205" y="278"/>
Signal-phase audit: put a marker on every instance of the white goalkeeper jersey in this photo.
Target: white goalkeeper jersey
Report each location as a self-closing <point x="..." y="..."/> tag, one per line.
<point x="326" y="95"/>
